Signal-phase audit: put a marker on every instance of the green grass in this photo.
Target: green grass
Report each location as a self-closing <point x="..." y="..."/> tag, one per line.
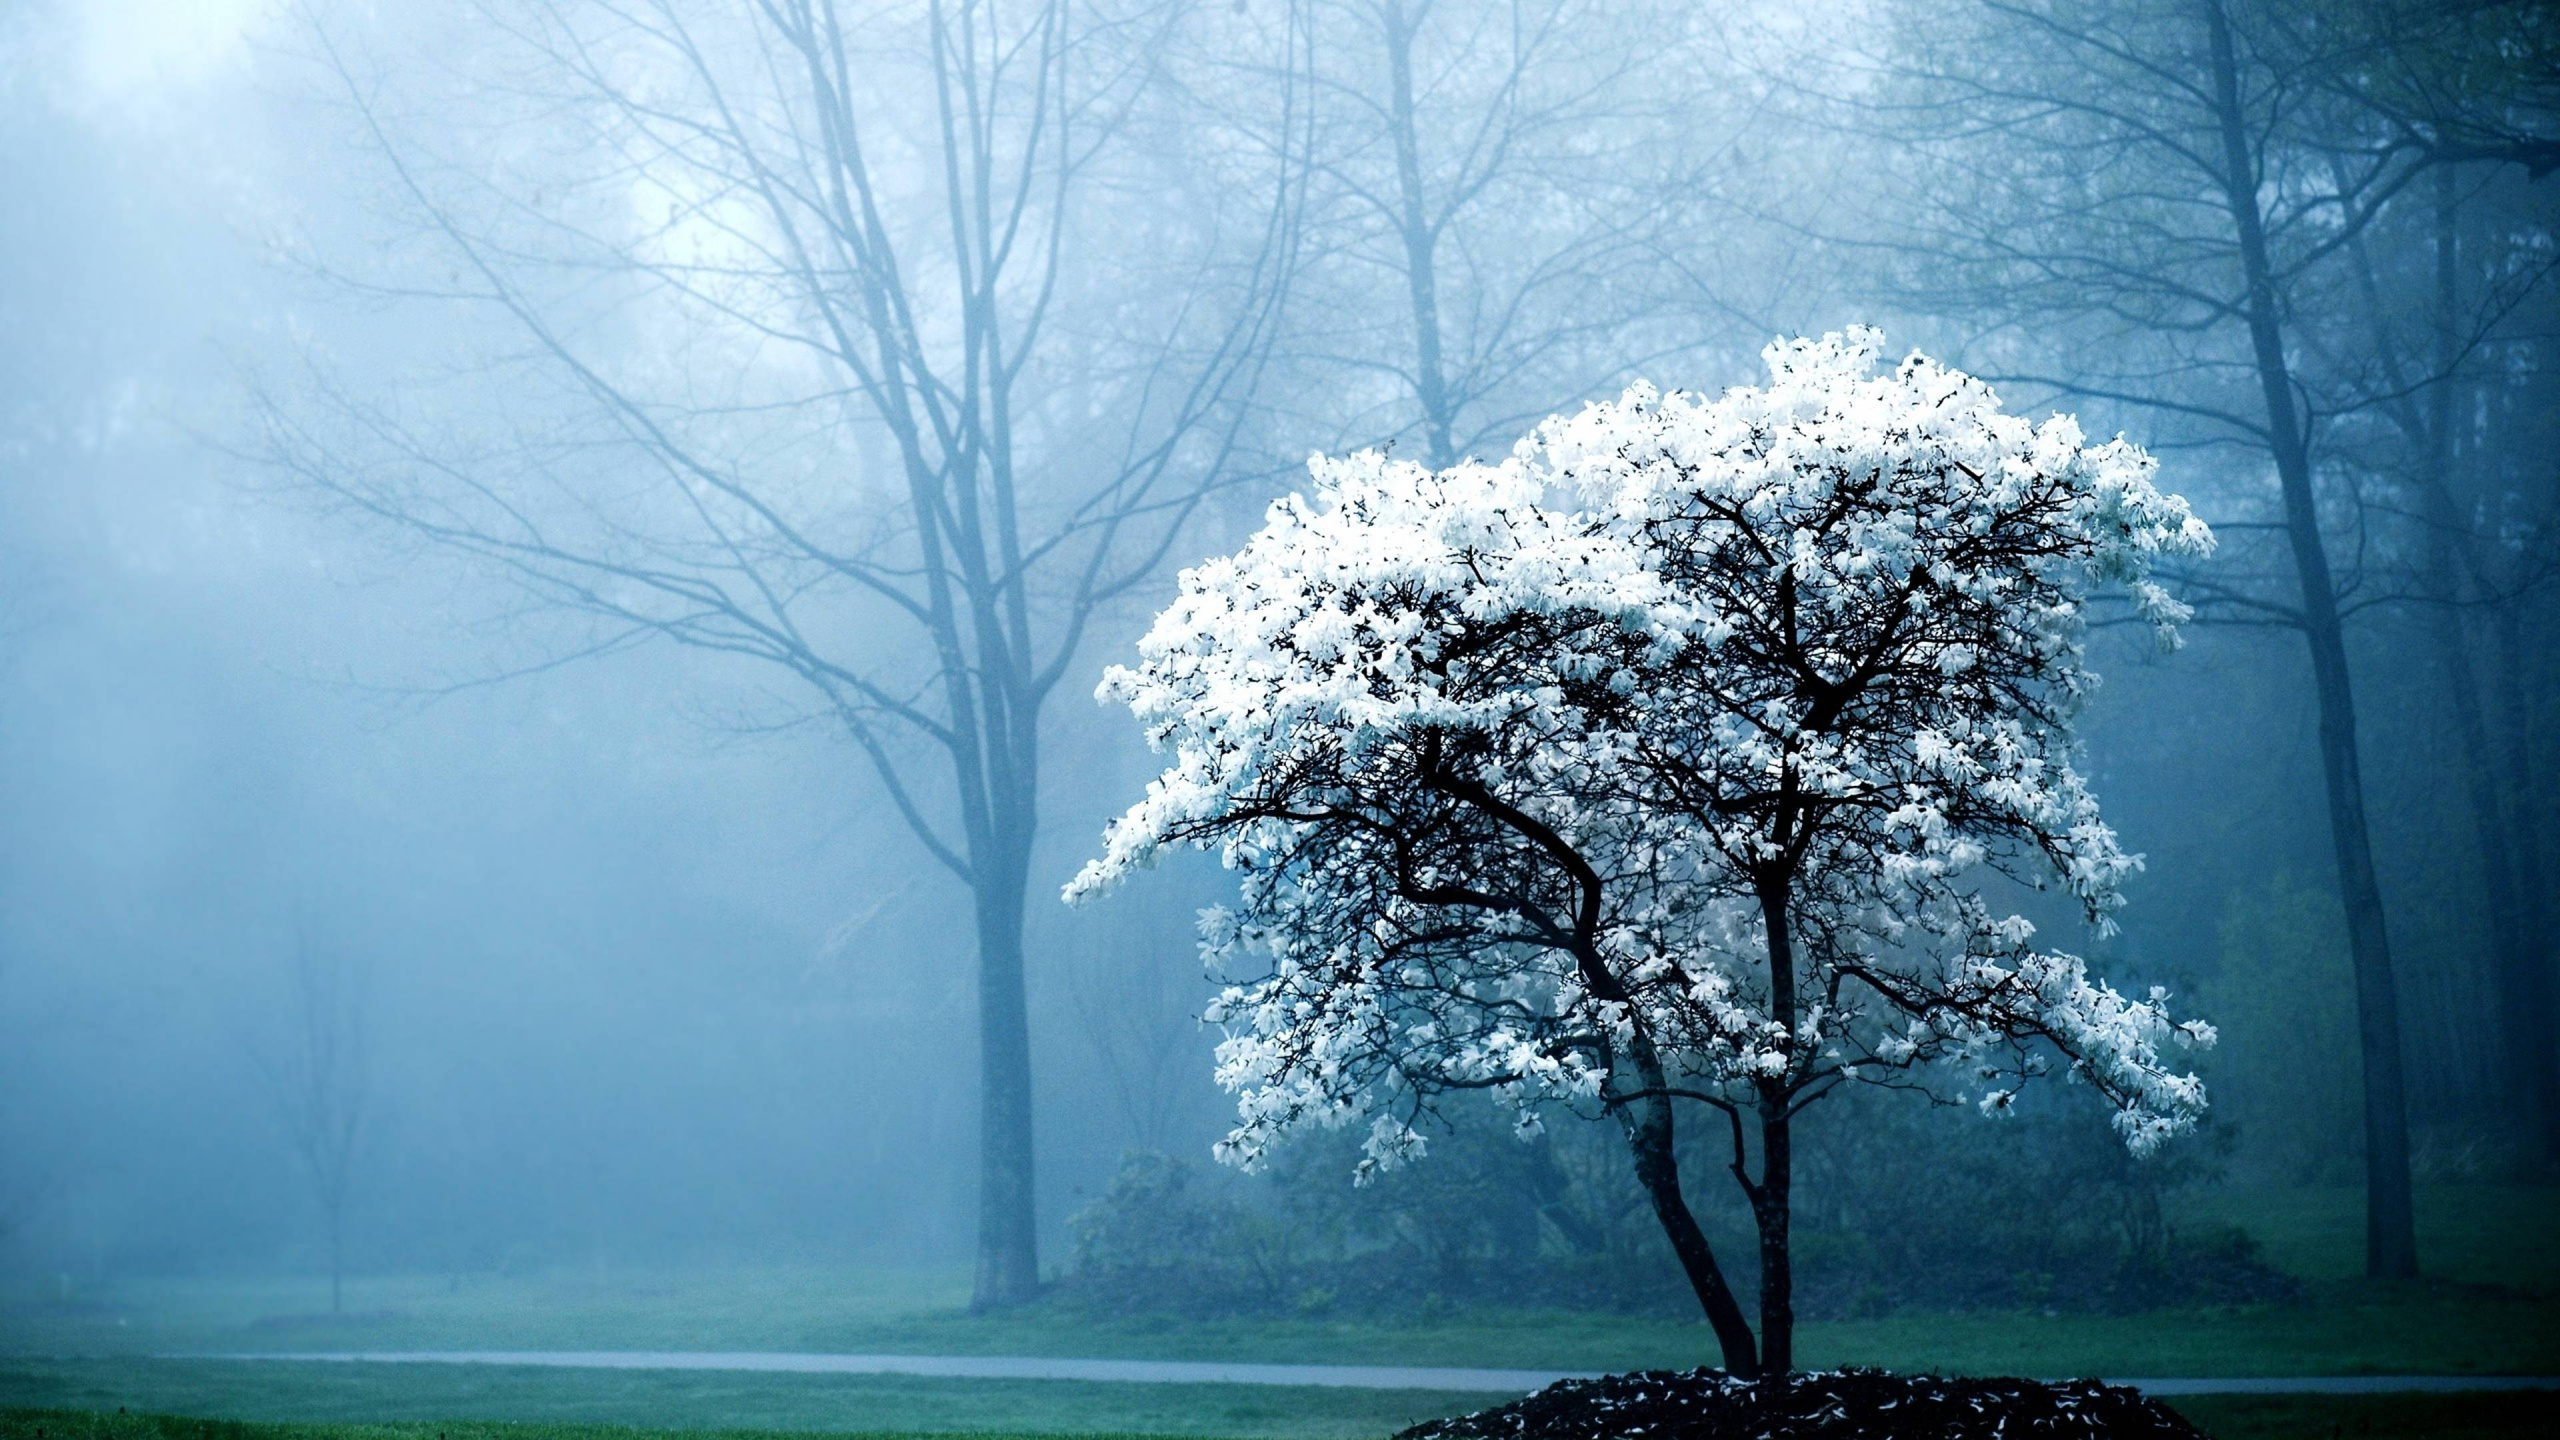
<point x="91" y="1425"/>
<point x="2510" y="1416"/>
<point x="282" y="1392"/>
<point x="2490" y="1306"/>
<point x="2502" y="1235"/>
<point x="2337" y="1328"/>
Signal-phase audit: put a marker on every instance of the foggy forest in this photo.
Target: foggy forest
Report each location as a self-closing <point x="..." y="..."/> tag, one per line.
<point x="1235" y="683"/>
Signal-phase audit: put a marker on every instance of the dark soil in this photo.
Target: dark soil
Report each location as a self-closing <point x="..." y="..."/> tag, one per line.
<point x="1831" y="1405"/>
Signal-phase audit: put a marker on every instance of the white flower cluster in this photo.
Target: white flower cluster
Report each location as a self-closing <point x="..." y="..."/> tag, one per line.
<point x="1673" y="747"/>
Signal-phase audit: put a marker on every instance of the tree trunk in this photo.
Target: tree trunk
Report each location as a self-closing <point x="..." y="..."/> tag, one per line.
<point x="1421" y="242"/>
<point x="1771" y="1211"/>
<point x="1773" y="1198"/>
<point x="1647" y="1120"/>
<point x="2532" y="973"/>
<point x="2390" y="1224"/>
<point x="1008" y="1224"/>
<point x="2526" y="1021"/>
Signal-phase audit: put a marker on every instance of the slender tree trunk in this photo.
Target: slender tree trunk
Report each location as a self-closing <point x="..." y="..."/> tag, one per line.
<point x="2525" y="1010"/>
<point x="2526" y="1013"/>
<point x="2390" y="1222"/>
<point x="1008" y="1227"/>
<point x="1421" y="245"/>
<point x="1647" y="1120"/>
<point x="1773" y="1198"/>
<point x="1772" y="1211"/>
<point x="2531" y="974"/>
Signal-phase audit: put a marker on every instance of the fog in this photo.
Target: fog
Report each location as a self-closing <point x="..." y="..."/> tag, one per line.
<point x="634" y="981"/>
<point x="379" y="404"/>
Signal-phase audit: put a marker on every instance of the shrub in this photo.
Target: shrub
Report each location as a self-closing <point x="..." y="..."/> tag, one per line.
<point x="1903" y="1219"/>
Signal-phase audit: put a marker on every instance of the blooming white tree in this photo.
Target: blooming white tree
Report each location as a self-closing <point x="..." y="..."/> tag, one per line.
<point x="1668" y="760"/>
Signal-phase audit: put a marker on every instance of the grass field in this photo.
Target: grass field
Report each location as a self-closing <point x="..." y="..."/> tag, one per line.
<point x="2378" y="1417"/>
<point x="2338" y="1328"/>
<point x="2490" y="1306"/>
<point x="279" y="1392"/>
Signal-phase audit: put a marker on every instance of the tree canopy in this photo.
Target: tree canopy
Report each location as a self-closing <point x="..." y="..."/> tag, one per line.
<point x="1675" y="756"/>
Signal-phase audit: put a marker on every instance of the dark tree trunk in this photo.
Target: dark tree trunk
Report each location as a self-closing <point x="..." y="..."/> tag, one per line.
<point x="1008" y="1237"/>
<point x="2499" y="826"/>
<point x="2530" y="974"/>
<point x="2526" y="1023"/>
<point x="1773" y="1198"/>
<point x="1772" y="1211"/>
<point x="1647" y="1119"/>
<point x="2390" y="1223"/>
<point x="1637" y="1090"/>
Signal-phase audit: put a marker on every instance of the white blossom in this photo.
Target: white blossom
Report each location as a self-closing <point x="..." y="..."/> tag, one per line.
<point x="1511" y="759"/>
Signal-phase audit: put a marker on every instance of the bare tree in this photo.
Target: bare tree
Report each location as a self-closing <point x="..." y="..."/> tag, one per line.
<point x="864" y="343"/>
<point x="1147" y="1035"/>
<point x="318" y="1082"/>
<point x="1506" y="197"/>
<point x="2480" y="549"/>
<point x="2148" y="204"/>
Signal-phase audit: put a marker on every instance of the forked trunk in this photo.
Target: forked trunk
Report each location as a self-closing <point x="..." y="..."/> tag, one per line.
<point x="1648" y="1123"/>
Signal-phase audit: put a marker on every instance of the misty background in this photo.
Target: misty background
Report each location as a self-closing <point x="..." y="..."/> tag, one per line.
<point x="639" y="962"/>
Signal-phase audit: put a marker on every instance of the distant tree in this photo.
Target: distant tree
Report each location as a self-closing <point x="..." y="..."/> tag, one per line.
<point x="1508" y="206"/>
<point x="2281" y="1001"/>
<point x="1142" y="1022"/>
<point x="318" y="1083"/>
<point x="882" y="346"/>
<point x="2467" y="79"/>
<point x="2447" y="348"/>
<point x="2155" y="205"/>
<point x="1689" y="792"/>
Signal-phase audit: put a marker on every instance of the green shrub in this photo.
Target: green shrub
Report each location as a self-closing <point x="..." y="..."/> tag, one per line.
<point x="1900" y="1206"/>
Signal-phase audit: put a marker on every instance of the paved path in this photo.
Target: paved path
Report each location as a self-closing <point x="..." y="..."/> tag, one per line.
<point x="975" y="1367"/>
<point x="1221" y="1372"/>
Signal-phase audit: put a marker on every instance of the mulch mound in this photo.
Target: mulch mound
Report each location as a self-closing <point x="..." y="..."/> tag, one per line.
<point x="1831" y="1405"/>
